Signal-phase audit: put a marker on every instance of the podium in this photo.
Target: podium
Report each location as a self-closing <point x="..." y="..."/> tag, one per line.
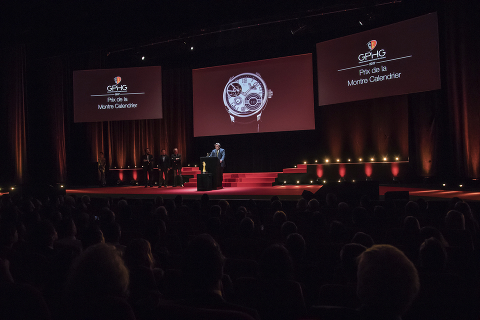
<point x="212" y="165"/>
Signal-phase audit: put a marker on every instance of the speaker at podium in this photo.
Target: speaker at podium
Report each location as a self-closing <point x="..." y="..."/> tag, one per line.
<point x="212" y="166"/>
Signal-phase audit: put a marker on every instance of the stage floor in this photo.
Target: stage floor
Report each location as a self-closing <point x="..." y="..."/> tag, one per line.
<point x="288" y="192"/>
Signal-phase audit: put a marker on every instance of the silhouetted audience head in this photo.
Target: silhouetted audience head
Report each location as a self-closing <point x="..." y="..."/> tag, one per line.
<point x="288" y="227"/>
<point x="359" y="216"/>
<point x="224" y="205"/>
<point x="331" y="200"/>
<point x="455" y="220"/>
<point x="411" y="225"/>
<point x="160" y="213"/>
<point x="67" y="228"/>
<point x="98" y="272"/>
<point x="337" y="231"/>
<point x="302" y="205"/>
<point x="276" y="206"/>
<point x="92" y="236"/>
<point x="363" y="239"/>
<point x="43" y="235"/>
<point x="295" y="245"/>
<point x="429" y="232"/>
<point x="433" y="257"/>
<point x="412" y="209"/>
<point x="215" y="211"/>
<point x="313" y="205"/>
<point x="8" y="233"/>
<point x="246" y="228"/>
<point x="387" y="281"/>
<point x="202" y="266"/>
<point x="279" y="218"/>
<point x="139" y="254"/>
<point x="112" y="232"/>
<point x="276" y="263"/>
<point x="158" y="201"/>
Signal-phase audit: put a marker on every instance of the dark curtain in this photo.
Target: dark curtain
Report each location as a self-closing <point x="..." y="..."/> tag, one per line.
<point x="13" y="147"/>
<point x="47" y="102"/>
<point x="462" y="47"/>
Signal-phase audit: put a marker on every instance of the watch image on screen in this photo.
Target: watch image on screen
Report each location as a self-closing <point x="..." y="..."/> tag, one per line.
<point x="245" y="97"/>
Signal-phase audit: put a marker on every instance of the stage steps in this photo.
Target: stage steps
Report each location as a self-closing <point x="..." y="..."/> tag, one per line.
<point x="248" y="180"/>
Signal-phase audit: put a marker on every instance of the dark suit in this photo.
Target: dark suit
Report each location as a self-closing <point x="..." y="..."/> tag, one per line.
<point x="220" y="155"/>
<point x="177" y="169"/>
<point x="163" y="166"/>
<point x="147" y="164"/>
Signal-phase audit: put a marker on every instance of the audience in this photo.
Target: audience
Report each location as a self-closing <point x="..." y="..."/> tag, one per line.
<point x="77" y="257"/>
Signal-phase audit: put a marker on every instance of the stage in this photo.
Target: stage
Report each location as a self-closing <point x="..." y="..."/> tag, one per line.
<point x="285" y="192"/>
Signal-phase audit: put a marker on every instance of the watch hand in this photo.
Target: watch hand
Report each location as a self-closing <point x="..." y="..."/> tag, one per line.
<point x="252" y="86"/>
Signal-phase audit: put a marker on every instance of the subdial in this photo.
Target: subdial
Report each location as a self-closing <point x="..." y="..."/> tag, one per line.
<point x="253" y="101"/>
<point x="234" y="89"/>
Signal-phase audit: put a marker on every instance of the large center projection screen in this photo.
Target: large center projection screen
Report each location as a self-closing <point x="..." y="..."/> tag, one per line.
<point x="396" y="59"/>
<point x="117" y="94"/>
<point x="261" y="96"/>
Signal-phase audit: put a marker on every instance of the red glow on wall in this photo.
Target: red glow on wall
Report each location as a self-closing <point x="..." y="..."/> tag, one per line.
<point x="120" y="175"/>
<point x="395" y="169"/>
<point x="319" y="170"/>
<point x="368" y="169"/>
<point x="134" y="174"/>
<point x="342" y="170"/>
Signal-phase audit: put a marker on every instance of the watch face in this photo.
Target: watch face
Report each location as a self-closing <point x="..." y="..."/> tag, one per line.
<point x="245" y="95"/>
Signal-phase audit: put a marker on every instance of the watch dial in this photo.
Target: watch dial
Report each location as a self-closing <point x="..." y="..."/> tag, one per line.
<point x="245" y="94"/>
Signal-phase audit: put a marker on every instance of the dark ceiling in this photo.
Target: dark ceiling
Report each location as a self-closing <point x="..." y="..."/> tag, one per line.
<point x="52" y="28"/>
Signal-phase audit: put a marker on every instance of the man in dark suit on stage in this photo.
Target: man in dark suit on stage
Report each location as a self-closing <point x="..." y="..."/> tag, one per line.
<point x="219" y="153"/>
<point x="147" y="164"/>
<point x="163" y="167"/>
<point x="176" y="159"/>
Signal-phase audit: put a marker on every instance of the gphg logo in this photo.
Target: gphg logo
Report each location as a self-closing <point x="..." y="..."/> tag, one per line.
<point x="117" y="87"/>
<point x="372" y="55"/>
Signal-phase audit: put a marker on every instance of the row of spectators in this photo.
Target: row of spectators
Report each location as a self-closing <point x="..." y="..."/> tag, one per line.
<point x="70" y="257"/>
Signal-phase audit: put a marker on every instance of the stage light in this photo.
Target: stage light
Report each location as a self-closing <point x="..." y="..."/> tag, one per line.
<point x="304" y="162"/>
<point x="295" y="166"/>
<point x="385" y="159"/>
<point x="460" y="185"/>
<point x="324" y="181"/>
<point x="135" y="166"/>
<point x="191" y="48"/>
<point x="311" y="181"/>
<point x="360" y="159"/>
<point x="114" y="167"/>
<point x="349" y="160"/>
<point x="339" y="180"/>
<point x="372" y="159"/>
<point x="397" y="158"/>
<point x="284" y="182"/>
<point x="444" y="184"/>
<point x="12" y="188"/>
<point x="298" y="182"/>
<point x="353" y="180"/>
<point x="326" y="160"/>
<point x="316" y="161"/>
<point x="338" y="160"/>
<point x="128" y="167"/>
<point x="143" y="57"/>
<point x="61" y="186"/>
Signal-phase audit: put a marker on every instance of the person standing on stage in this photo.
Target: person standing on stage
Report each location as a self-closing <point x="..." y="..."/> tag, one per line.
<point x="176" y="159"/>
<point x="163" y="167"/>
<point x="220" y="154"/>
<point x="102" y="163"/>
<point x="147" y="161"/>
